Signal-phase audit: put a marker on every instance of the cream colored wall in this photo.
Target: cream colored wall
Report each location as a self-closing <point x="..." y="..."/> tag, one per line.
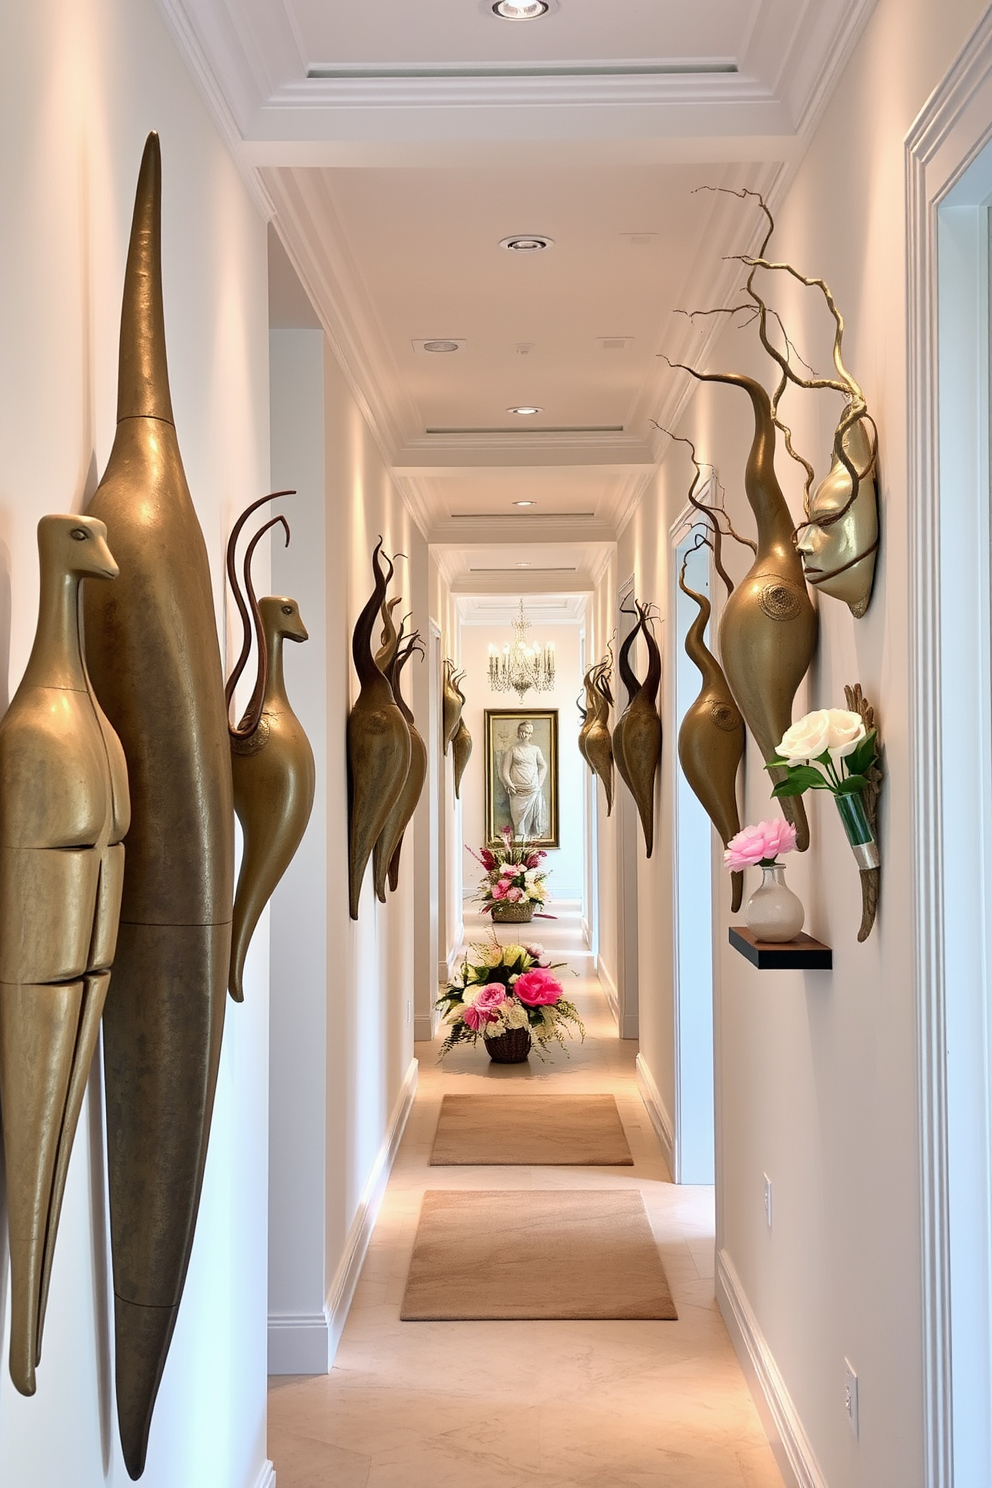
<point x="817" y="1072"/>
<point x="81" y="83"/>
<point x="599" y="631"/>
<point x="564" y="864"/>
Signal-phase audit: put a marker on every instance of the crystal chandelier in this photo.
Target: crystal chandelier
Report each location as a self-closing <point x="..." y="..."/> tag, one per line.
<point x="519" y="667"/>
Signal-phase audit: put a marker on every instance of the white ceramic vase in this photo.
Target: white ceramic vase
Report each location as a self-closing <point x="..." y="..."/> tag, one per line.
<point x="773" y="911"/>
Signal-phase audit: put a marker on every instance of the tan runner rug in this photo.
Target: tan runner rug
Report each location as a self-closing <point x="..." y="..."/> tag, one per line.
<point x="503" y="1130"/>
<point x="535" y="1253"/>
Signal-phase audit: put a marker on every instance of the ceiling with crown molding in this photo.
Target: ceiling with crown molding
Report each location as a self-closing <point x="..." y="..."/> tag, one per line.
<point x="395" y="145"/>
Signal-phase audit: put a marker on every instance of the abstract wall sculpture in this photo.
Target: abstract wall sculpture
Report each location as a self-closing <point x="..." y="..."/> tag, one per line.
<point x="637" y="736"/>
<point x="839" y="540"/>
<point x="768" y="628"/>
<point x="378" y="744"/>
<point x="153" y="655"/>
<point x="598" y="742"/>
<point x="461" y="748"/>
<point x="711" y="736"/>
<point x="63" y="814"/>
<point x="452" y="702"/>
<point x="271" y="760"/>
<point x="406" y="804"/>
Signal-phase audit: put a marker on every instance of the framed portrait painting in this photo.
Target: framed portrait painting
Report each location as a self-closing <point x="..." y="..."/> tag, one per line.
<point x="522" y="774"/>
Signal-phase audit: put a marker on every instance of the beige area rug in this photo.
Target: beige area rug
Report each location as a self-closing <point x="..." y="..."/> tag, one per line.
<point x="502" y="1130"/>
<point x="535" y="1253"/>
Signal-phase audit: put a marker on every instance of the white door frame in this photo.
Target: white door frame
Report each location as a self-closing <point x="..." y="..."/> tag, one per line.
<point x="947" y="271"/>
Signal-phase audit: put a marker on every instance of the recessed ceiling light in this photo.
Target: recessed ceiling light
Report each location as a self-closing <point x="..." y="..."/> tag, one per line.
<point x="521" y="10"/>
<point x="524" y="503"/>
<point x="526" y="243"/>
<point x="525" y="408"/>
<point x="440" y="345"/>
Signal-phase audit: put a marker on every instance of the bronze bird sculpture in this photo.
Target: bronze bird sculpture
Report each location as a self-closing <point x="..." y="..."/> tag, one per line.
<point x="639" y="728"/>
<point x="63" y="815"/>
<point x="271" y="758"/>
<point x="378" y="744"/>
<point x="408" y="799"/>
<point x="711" y="736"/>
<point x="153" y="655"/>
<point x="768" y="627"/>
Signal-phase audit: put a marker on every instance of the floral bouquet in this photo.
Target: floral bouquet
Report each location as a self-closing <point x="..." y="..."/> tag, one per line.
<point x="834" y="749"/>
<point x="499" y="989"/>
<point x="759" y="846"/>
<point x="513" y="874"/>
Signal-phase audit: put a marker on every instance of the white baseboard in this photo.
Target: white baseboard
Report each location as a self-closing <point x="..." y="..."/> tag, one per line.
<point x="266" y="1477"/>
<point x="425" y="1027"/>
<point x="793" y="1451"/>
<point x="587" y="932"/>
<point x="609" y="986"/>
<point x="306" y="1344"/>
<point x="454" y="955"/>
<point x="655" y="1106"/>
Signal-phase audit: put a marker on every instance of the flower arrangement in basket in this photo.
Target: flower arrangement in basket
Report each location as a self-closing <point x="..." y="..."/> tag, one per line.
<point x="507" y="995"/>
<point x="514" y="884"/>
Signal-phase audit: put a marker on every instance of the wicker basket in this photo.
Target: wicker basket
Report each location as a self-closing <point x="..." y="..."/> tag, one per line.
<point x="511" y="1047"/>
<point x="513" y="914"/>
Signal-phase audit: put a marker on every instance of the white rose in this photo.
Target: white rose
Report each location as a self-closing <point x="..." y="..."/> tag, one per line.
<point x="807" y="738"/>
<point x="846" y="732"/>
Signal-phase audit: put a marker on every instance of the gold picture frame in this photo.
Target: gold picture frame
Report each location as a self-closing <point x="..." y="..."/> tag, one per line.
<point x="536" y="816"/>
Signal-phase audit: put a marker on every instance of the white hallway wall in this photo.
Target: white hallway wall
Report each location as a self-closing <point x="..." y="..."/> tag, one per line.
<point x="817" y="1081"/>
<point x="566" y="863"/>
<point x="81" y="83"/>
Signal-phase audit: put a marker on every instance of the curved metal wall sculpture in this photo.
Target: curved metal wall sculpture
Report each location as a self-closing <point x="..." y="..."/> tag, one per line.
<point x="637" y="736"/>
<point x="452" y="702"/>
<point x="461" y="748"/>
<point x="598" y="739"/>
<point x="153" y="654"/>
<point x="64" y="811"/>
<point x="271" y="759"/>
<point x="711" y="736"/>
<point x="409" y="798"/>
<point x="378" y="743"/>
<point x="768" y="628"/>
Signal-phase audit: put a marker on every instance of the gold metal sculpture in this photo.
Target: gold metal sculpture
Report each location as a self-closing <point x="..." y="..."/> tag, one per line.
<point x="390" y="839"/>
<point x="453" y="700"/>
<point x="711" y="735"/>
<point x="378" y="744"/>
<point x="271" y="759"/>
<point x="637" y="736"/>
<point x="63" y="815"/>
<point x="153" y="654"/>
<point x="584" y="705"/>
<point x="461" y="748"/>
<point x="768" y="628"/>
<point x="598" y="738"/>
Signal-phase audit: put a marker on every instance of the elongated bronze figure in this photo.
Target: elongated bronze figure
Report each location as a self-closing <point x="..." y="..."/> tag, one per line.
<point x="271" y="760"/>
<point x="639" y="728"/>
<point x="768" y="627"/>
<point x="63" y="814"/>
<point x="153" y="654"/>
<point x="378" y="744"/>
<point x="406" y="805"/>
<point x="711" y="736"/>
<point x="452" y="702"/>
<point x="599" y="742"/>
<point x="582" y="703"/>
<point x="461" y="748"/>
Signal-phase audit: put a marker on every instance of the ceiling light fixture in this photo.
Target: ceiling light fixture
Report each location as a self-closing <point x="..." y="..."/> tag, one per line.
<point x="440" y="345"/>
<point x="526" y="243"/>
<point x="525" y="409"/>
<point x="520" y="667"/>
<point x="525" y="503"/>
<point x="521" y="10"/>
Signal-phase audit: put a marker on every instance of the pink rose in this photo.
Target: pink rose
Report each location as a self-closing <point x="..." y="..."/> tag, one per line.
<point x="763" y="841"/>
<point x="484" y="1004"/>
<point x="499" y="889"/>
<point x="514" y="895"/>
<point x="537" y="988"/>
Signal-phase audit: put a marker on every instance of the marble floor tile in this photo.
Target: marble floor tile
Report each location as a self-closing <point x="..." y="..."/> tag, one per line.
<point x="524" y="1404"/>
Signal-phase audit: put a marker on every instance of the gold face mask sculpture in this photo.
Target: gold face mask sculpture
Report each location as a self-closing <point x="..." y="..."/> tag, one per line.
<point x="839" y="540"/>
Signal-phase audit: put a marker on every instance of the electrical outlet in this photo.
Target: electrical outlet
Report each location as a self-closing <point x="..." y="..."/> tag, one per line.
<point x="768" y="1200"/>
<point x="851" y="1395"/>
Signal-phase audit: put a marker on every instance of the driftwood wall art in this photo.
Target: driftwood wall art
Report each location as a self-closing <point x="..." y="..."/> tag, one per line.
<point x="378" y="744"/>
<point x="406" y="804"/>
<point x="768" y="628"/>
<point x="271" y="759"/>
<point x="637" y="736"/>
<point x="63" y="814"/>
<point x="153" y="654"/>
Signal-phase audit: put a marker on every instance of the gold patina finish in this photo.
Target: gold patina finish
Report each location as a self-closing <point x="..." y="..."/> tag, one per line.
<point x="153" y="654"/>
<point x="768" y="628"/>
<point x="271" y="759"/>
<point x="598" y="738"/>
<point x="378" y="744"/>
<point x="406" y="804"/>
<point x="711" y="736"/>
<point x="461" y="748"/>
<point x="452" y="702"/>
<point x="63" y="815"/>
<point x="637" y="736"/>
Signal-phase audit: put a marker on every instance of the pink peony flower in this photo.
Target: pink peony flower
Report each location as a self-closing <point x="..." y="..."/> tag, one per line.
<point x="537" y="988"/>
<point x="499" y="889"/>
<point x="760" y="843"/>
<point x="514" y="895"/>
